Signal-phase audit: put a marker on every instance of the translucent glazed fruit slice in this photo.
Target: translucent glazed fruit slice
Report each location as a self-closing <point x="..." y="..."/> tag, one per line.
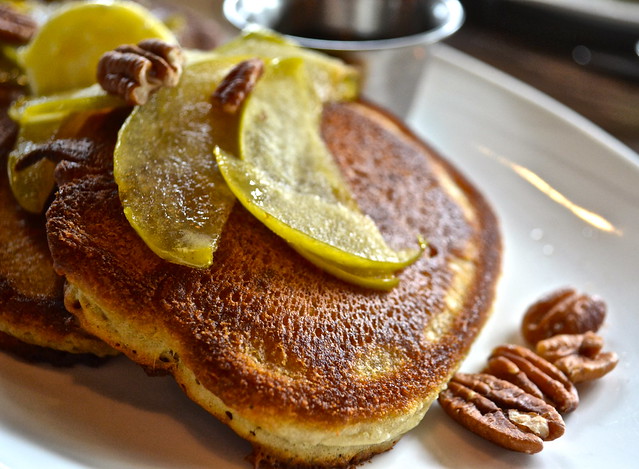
<point x="302" y="189"/>
<point x="55" y="107"/>
<point x="333" y="79"/>
<point x="170" y="187"/>
<point x="331" y="231"/>
<point x="65" y="51"/>
<point x="364" y="278"/>
<point x="279" y="133"/>
<point x="32" y="186"/>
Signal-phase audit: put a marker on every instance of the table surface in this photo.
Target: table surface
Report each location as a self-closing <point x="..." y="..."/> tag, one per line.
<point x="607" y="99"/>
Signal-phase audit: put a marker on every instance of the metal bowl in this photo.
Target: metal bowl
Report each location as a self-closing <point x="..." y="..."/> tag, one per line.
<point x="387" y="39"/>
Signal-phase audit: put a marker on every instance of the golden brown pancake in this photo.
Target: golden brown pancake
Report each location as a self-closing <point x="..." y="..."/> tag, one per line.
<point x="313" y="371"/>
<point x="34" y="323"/>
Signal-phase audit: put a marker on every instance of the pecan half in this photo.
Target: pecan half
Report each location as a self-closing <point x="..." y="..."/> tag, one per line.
<point x="579" y="356"/>
<point x="564" y="311"/>
<point x="238" y="83"/>
<point x="501" y="412"/>
<point x="15" y="27"/>
<point x="534" y="375"/>
<point x="134" y="72"/>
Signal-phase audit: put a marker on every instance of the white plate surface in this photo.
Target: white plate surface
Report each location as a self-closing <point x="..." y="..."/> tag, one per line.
<point x="542" y="167"/>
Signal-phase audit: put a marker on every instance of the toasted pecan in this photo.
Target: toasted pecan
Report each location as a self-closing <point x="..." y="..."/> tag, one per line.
<point x="535" y="375"/>
<point x="564" y="311"/>
<point x="238" y="83"/>
<point x="133" y="72"/>
<point x="501" y="412"/>
<point x="579" y="356"/>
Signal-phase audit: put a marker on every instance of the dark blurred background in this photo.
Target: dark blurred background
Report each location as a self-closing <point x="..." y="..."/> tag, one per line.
<point x="587" y="61"/>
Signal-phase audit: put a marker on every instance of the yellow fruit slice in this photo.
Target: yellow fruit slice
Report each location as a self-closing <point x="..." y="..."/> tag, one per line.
<point x="65" y="51"/>
<point x="332" y="79"/>
<point x="331" y="231"/>
<point x="55" y="107"/>
<point x="364" y="279"/>
<point x="169" y="184"/>
<point x="279" y="133"/>
<point x="32" y="186"/>
<point x="287" y="177"/>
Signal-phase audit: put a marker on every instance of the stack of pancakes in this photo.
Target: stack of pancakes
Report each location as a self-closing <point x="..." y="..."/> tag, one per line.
<point x="34" y="324"/>
<point x="33" y="320"/>
<point x="313" y="371"/>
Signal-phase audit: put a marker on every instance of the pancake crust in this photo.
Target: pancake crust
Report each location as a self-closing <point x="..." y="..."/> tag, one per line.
<point x="311" y="370"/>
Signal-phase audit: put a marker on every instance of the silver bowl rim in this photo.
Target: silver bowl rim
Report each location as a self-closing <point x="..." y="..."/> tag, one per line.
<point x="454" y="22"/>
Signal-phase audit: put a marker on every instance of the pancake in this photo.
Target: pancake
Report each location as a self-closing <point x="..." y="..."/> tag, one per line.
<point x="34" y="323"/>
<point x="314" y="372"/>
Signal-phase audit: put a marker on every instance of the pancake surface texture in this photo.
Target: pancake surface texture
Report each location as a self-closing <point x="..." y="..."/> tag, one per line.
<point x="313" y="371"/>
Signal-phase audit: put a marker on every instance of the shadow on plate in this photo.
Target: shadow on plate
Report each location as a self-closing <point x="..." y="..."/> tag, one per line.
<point x="113" y="416"/>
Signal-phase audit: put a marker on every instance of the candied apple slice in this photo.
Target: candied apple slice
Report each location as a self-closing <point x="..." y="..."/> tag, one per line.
<point x="279" y="133"/>
<point x="288" y="179"/>
<point x="363" y="278"/>
<point x="170" y="187"/>
<point x="32" y="186"/>
<point x="332" y="79"/>
<point x="57" y="106"/>
<point x="331" y="231"/>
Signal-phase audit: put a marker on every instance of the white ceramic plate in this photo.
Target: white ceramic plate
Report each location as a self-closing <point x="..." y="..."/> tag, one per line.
<point x="506" y="137"/>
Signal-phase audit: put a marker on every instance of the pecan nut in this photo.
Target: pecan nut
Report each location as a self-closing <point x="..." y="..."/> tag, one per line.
<point x="579" y="356"/>
<point x="133" y="72"/>
<point x="564" y="311"/>
<point x="15" y="27"/>
<point x="533" y="374"/>
<point x="237" y="84"/>
<point x="501" y="412"/>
